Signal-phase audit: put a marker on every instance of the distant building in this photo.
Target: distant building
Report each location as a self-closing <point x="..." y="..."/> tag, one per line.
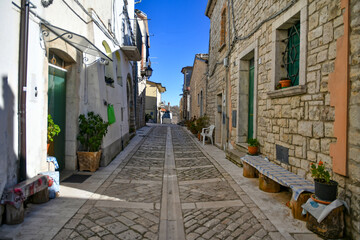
<point x="143" y="67"/>
<point x="153" y="100"/>
<point x="186" y="92"/>
<point x="198" y="86"/>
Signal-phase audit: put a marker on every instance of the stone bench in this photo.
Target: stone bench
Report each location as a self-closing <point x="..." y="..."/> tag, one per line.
<point x="271" y="176"/>
<point x="36" y="189"/>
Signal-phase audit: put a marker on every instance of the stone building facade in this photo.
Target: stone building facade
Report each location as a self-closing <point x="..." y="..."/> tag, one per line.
<point x="186" y="93"/>
<point x="198" y="86"/>
<point x="254" y="44"/>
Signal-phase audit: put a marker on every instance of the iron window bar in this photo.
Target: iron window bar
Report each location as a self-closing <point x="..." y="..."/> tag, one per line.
<point x="291" y="55"/>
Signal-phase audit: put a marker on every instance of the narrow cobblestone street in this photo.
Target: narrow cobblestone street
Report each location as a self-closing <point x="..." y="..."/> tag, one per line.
<point x="166" y="187"/>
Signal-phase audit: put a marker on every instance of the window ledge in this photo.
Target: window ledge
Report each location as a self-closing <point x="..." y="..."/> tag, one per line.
<point x="222" y="47"/>
<point x="287" y="92"/>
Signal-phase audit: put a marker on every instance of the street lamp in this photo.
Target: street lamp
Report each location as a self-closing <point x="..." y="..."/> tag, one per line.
<point x="148" y="72"/>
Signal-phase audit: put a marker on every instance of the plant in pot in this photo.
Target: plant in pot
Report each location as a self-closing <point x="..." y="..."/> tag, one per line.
<point x="285" y="82"/>
<point x="92" y="129"/>
<point x="325" y="188"/>
<point x="52" y="131"/>
<point x="201" y="122"/>
<point x="253" y="145"/>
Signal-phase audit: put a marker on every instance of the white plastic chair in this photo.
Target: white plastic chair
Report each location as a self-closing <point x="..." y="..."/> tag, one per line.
<point x="208" y="132"/>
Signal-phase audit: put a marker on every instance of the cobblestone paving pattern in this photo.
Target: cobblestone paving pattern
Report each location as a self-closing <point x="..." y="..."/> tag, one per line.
<point x="198" y="173"/>
<point x="224" y="223"/>
<point x="146" y="162"/>
<point x="192" y="162"/>
<point x="134" y="173"/>
<point x="204" y="184"/>
<point x="135" y="192"/>
<point x="112" y="223"/>
<point x="207" y="192"/>
<point x="128" y="204"/>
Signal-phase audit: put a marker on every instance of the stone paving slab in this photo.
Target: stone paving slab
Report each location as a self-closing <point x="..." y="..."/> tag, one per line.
<point x="192" y="162"/>
<point x="223" y="223"/>
<point x="143" y="174"/>
<point x="211" y="191"/>
<point x="113" y="223"/>
<point x="198" y="173"/>
<point x="134" y="192"/>
<point x="143" y="162"/>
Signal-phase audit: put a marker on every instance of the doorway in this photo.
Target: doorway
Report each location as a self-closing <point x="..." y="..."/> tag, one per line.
<point x="251" y="100"/>
<point x="218" y="119"/>
<point x="57" y="109"/>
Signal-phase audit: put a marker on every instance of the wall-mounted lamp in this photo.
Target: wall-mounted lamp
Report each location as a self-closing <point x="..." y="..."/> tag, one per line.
<point x="148" y="72"/>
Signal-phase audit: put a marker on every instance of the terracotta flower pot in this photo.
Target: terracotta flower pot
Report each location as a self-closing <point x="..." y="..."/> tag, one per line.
<point x="47" y="149"/>
<point x="285" y="83"/>
<point x="252" y="150"/>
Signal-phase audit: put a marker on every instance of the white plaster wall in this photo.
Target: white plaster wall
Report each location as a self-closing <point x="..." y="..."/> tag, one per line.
<point x="36" y="117"/>
<point x="91" y="93"/>
<point x="8" y="93"/>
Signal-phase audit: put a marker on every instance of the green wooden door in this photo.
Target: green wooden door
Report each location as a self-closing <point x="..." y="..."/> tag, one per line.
<point x="251" y="100"/>
<point x="56" y="107"/>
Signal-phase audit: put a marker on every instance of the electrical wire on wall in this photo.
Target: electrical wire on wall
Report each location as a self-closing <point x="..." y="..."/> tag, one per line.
<point x="237" y="38"/>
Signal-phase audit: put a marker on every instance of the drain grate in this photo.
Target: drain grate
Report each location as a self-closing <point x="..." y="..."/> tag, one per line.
<point x="76" y="178"/>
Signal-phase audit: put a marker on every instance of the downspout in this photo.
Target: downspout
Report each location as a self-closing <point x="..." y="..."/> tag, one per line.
<point x="227" y="79"/>
<point x="23" y="55"/>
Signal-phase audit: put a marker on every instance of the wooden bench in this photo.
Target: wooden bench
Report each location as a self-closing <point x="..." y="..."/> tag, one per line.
<point x="271" y="176"/>
<point x="13" y="198"/>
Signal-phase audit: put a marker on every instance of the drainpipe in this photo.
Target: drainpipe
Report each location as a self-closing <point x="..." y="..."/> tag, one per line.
<point x="227" y="84"/>
<point x="23" y="55"/>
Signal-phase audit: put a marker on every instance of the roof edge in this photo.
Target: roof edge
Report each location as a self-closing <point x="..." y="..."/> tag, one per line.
<point x="209" y="8"/>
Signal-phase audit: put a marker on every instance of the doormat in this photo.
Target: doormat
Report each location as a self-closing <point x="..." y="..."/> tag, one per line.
<point x="76" y="178"/>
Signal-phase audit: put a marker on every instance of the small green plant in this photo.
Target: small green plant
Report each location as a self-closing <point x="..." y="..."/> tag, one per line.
<point x="202" y="122"/>
<point x="253" y="142"/>
<point x="319" y="173"/>
<point x="92" y="129"/>
<point x="52" y="130"/>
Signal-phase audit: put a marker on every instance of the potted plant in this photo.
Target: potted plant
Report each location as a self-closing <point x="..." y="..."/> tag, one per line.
<point x="253" y="145"/>
<point x="285" y="82"/>
<point x="325" y="188"/>
<point x="92" y="129"/>
<point x="52" y="131"/>
<point x="201" y="122"/>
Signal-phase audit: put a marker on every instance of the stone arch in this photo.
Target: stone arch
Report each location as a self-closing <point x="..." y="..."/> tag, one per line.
<point x="107" y="47"/>
<point x="130" y="102"/>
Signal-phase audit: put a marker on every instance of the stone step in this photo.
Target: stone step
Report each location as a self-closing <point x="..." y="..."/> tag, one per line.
<point x="234" y="156"/>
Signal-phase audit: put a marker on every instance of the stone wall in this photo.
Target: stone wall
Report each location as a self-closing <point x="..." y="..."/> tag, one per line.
<point x="352" y="183"/>
<point x="216" y="86"/>
<point x="301" y="120"/>
<point x="198" y="86"/>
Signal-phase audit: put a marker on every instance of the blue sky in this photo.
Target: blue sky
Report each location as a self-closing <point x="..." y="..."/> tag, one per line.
<point x="178" y="31"/>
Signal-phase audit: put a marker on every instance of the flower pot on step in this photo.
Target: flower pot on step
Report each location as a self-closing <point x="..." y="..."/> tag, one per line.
<point x="252" y="150"/>
<point x="326" y="191"/>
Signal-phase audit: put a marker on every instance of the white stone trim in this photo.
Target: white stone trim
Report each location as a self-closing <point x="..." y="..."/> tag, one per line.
<point x="250" y="51"/>
<point x="300" y="9"/>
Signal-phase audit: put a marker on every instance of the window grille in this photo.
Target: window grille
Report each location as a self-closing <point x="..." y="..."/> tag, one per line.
<point x="291" y="56"/>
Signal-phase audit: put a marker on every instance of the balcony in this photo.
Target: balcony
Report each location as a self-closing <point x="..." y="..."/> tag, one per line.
<point x="132" y="51"/>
